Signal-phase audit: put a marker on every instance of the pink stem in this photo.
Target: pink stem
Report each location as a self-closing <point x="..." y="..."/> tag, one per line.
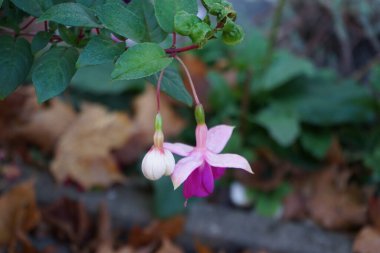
<point x="190" y="80"/>
<point x="159" y="89"/>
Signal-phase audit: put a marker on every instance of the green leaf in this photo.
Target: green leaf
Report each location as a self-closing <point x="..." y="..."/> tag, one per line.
<point x="167" y="202"/>
<point x="53" y="71"/>
<point x="1" y="3"/>
<point x="173" y="85"/>
<point x="281" y="122"/>
<point x="153" y="33"/>
<point x="40" y="41"/>
<point x="141" y="60"/>
<point x="68" y="35"/>
<point x="91" y="3"/>
<point x="167" y="9"/>
<point x="97" y="80"/>
<point x="317" y="144"/>
<point x="269" y="203"/>
<point x="135" y="20"/>
<point x="70" y="14"/>
<point x="328" y="101"/>
<point x="33" y="7"/>
<point x="99" y="50"/>
<point x="15" y="62"/>
<point x="284" y="68"/>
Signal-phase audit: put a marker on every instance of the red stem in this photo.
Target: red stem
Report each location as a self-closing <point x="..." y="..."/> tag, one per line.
<point x="174" y="40"/>
<point x="28" y="24"/>
<point x="181" y="49"/>
<point x="46" y="26"/>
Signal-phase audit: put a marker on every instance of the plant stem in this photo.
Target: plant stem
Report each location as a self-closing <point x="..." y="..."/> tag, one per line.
<point x="181" y="49"/>
<point x="159" y="89"/>
<point x="28" y="24"/>
<point x="174" y="43"/>
<point x="190" y="80"/>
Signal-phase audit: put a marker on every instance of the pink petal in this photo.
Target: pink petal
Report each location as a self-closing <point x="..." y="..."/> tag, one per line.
<point x="185" y="167"/>
<point x="218" y="136"/>
<point x="200" y="183"/>
<point x="179" y="148"/>
<point x="201" y="135"/>
<point x="228" y="161"/>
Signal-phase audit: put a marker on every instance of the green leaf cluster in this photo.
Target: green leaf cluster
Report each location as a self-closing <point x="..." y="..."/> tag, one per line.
<point x="88" y="33"/>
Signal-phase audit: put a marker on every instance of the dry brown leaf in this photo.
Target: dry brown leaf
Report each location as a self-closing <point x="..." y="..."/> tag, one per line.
<point x="31" y="122"/>
<point x="18" y="213"/>
<point x="201" y="248"/>
<point x="368" y="241"/>
<point x="168" y="247"/>
<point x="374" y="211"/>
<point x="69" y="218"/>
<point x="145" y="113"/>
<point x="84" y="151"/>
<point x="334" y="203"/>
<point x="170" y="229"/>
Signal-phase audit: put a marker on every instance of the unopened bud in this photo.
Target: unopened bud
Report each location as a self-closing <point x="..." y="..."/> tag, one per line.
<point x="157" y="163"/>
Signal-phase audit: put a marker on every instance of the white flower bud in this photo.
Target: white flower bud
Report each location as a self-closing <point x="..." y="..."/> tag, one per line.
<point x="157" y="162"/>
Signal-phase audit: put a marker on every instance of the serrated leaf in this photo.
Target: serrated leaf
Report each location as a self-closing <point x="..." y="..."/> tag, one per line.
<point x="53" y="71"/>
<point x="33" y="7"/>
<point x="70" y="14"/>
<point x="15" y="62"/>
<point x="99" y="50"/>
<point x="121" y="18"/>
<point x="167" y="9"/>
<point x="172" y="85"/>
<point x="40" y="41"/>
<point x="135" y="20"/>
<point x="153" y="31"/>
<point x="282" y="124"/>
<point x="140" y="61"/>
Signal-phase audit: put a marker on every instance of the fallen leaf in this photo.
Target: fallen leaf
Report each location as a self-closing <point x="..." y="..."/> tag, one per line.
<point x="69" y="218"/>
<point x="367" y="241"/>
<point x="374" y="211"/>
<point x="27" y="121"/>
<point x="84" y="152"/>
<point x="334" y="203"/>
<point x="18" y="213"/>
<point x="169" y="228"/>
<point x="201" y="248"/>
<point x="168" y="247"/>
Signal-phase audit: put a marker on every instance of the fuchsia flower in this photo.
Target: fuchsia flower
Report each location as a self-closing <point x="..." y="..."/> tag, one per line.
<point x="203" y="164"/>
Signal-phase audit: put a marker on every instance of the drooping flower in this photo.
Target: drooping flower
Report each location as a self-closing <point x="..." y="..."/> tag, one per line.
<point x="203" y="164"/>
<point x="158" y="161"/>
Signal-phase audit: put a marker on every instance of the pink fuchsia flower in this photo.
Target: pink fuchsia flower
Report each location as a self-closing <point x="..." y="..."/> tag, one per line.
<point x="203" y="164"/>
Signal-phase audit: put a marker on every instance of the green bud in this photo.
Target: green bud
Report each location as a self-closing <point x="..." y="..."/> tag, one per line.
<point x="232" y="33"/>
<point x="199" y="114"/>
<point x="184" y="22"/>
<point x="158" y="122"/>
<point x="201" y="33"/>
